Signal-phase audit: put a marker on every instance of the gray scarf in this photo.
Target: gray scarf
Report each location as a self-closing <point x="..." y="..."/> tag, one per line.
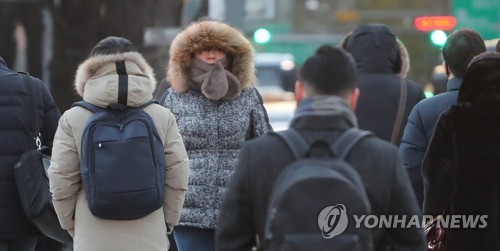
<point x="325" y="106"/>
<point x="214" y="80"/>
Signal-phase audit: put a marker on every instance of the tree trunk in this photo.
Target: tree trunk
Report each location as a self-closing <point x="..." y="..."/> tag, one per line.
<point x="80" y="24"/>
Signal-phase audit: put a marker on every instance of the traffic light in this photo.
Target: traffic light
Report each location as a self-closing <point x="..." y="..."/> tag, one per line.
<point x="436" y="25"/>
<point x="438" y="37"/>
<point x="261" y="36"/>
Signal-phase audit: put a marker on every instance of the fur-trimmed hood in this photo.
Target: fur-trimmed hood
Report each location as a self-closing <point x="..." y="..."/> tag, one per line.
<point x="377" y="50"/>
<point x="405" y="59"/>
<point x="205" y="35"/>
<point x="97" y="81"/>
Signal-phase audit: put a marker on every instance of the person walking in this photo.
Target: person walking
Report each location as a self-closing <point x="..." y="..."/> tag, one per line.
<point x="16" y="232"/>
<point x="327" y="94"/>
<point x="460" y="167"/>
<point x="211" y="73"/>
<point x="379" y="61"/>
<point x="460" y="47"/>
<point x="97" y="82"/>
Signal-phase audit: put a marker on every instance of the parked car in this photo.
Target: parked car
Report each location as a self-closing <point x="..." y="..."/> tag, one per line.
<point x="275" y="71"/>
<point x="276" y="76"/>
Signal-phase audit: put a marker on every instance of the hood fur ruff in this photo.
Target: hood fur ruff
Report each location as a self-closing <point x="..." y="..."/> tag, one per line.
<point x="403" y="53"/>
<point x="209" y="34"/>
<point x="89" y="67"/>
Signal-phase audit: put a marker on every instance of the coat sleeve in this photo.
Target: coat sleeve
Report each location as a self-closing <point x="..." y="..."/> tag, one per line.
<point x="404" y="203"/>
<point x="259" y="120"/>
<point x="64" y="174"/>
<point x="166" y="100"/>
<point x="412" y="151"/>
<point x="236" y="230"/>
<point x="436" y="170"/>
<point x="176" y="173"/>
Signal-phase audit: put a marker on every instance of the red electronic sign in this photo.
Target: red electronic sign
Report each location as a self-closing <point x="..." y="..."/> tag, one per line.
<point x="429" y="23"/>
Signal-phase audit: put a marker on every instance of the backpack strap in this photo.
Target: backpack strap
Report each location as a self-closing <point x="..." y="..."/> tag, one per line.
<point x="94" y="108"/>
<point x="347" y="140"/>
<point x="295" y="142"/>
<point x="340" y="148"/>
<point x="152" y="101"/>
<point x="88" y="106"/>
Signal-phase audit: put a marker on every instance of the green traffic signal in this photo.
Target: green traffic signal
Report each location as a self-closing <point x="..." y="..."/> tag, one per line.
<point x="262" y="36"/>
<point x="438" y="37"/>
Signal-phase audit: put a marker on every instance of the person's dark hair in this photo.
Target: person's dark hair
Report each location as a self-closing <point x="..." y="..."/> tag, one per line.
<point x="330" y="71"/>
<point x="460" y="47"/>
<point x="112" y="45"/>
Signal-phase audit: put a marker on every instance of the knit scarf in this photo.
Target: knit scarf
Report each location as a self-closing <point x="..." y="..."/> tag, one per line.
<point x="325" y="106"/>
<point x="214" y="80"/>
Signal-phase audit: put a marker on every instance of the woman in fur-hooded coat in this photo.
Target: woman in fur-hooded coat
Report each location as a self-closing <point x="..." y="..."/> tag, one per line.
<point x="217" y="109"/>
<point x="461" y="168"/>
<point x="97" y="83"/>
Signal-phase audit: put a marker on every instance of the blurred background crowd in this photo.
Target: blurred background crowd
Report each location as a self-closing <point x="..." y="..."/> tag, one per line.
<point x="49" y="38"/>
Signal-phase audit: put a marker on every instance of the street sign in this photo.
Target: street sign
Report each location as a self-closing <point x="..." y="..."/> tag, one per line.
<point x="430" y="23"/>
<point x="482" y="16"/>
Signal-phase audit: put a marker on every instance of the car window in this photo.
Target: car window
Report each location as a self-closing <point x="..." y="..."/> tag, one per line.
<point x="267" y="77"/>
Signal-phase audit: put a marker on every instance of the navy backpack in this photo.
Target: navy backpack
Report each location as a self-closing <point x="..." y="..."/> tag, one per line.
<point x="122" y="159"/>
<point x="313" y="200"/>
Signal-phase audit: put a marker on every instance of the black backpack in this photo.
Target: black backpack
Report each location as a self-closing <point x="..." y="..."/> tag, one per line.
<point x="122" y="159"/>
<point x="315" y="196"/>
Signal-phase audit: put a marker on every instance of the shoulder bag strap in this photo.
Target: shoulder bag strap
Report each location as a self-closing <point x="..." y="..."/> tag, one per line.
<point x="401" y="108"/>
<point x="31" y="107"/>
